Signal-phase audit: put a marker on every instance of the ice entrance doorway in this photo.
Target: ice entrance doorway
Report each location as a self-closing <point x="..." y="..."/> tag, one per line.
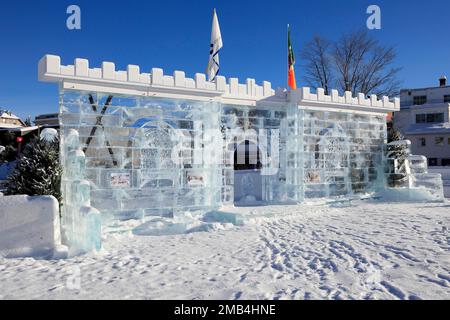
<point x="247" y="173"/>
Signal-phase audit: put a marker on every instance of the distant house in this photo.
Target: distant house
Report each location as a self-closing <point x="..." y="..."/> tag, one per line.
<point x="9" y="120"/>
<point x="424" y="119"/>
<point x="50" y="120"/>
<point x="14" y="131"/>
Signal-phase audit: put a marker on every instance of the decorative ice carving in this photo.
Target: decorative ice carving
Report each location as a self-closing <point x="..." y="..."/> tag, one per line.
<point x="81" y="222"/>
<point x="408" y="176"/>
<point x="49" y="134"/>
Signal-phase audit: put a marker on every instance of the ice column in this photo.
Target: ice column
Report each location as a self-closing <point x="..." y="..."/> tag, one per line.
<point x="81" y="222"/>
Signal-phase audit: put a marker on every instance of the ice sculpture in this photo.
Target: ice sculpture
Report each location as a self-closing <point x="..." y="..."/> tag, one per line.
<point x="408" y="177"/>
<point x="157" y="150"/>
<point x="48" y="134"/>
<point x="81" y="222"/>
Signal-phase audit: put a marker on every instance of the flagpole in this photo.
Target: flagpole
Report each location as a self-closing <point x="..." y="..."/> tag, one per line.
<point x="287" y="63"/>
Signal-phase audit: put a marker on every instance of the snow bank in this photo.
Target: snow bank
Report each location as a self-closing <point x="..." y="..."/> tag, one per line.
<point x="445" y="172"/>
<point x="29" y="226"/>
<point x="420" y="194"/>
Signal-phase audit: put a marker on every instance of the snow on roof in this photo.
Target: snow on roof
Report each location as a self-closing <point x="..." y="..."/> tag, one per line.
<point x="429" y="129"/>
<point x="8" y="115"/>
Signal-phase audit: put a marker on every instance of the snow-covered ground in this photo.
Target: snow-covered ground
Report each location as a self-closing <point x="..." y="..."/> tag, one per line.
<point x="358" y="250"/>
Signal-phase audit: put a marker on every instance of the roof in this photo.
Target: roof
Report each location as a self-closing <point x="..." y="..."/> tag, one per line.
<point x="23" y="130"/>
<point x="428" y="129"/>
<point x="9" y="126"/>
<point x="426" y="88"/>
<point x="4" y="114"/>
<point x="7" y="115"/>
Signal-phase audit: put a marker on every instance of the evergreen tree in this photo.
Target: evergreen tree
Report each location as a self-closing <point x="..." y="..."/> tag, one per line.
<point x="28" y="122"/>
<point x="38" y="171"/>
<point x="8" y="155"/>
<point x="10" y="152"/>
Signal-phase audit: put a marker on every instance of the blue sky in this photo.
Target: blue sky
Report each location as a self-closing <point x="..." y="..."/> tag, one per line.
<point x="174" y="35"/>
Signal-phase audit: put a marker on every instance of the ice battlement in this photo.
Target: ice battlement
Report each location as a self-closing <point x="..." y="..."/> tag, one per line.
<point x="51" y="70"/>
<point x="304" y="96"/>
<point x="132" y="81"/>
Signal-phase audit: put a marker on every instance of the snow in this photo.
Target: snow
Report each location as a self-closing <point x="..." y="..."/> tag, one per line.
<point x="445" y="172"/>
<point x="346" y="250"/>
<point x="29" y="226"/>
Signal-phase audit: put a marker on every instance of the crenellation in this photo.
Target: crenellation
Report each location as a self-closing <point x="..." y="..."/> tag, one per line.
<point x="348" y="98"/>
<point x="95" y="73"/>
<point x="157" y="76"/>
<point x="68" y="71"/>
<point x="122" y="76"/>
<point x="179" y="78"/>
<point x="221" y="83"/>
<point x="109" y="71"/>
<point x="190" y="83"/>
<point x="145" y="78"/>
<point x="81" y="67"/>
<point x="133" y="73"/>
<point x="267" y="89"/>
<point x="168" y="81"/>
<point x="200" y="80"/>
<point x="234" y="86"/>
<point x="50" y="69"/>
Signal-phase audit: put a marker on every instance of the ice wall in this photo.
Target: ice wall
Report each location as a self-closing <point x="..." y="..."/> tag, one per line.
<point x="140" y="157"/>
<point x="333" y="154"/>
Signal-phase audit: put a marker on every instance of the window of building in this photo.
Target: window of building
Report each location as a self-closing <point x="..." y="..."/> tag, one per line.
<point x="432" y="162"/>
<point x="447" y="98"/>
<point x="422" y="142"/>
<point x="421" y="118"/>
<point x="419" y="100"/>
<point x="448" y="140"/>
<point x="435" y="117"/>
<point x="430" y="118"/>
<point x="439" y="141"/>
<point x="446" y="162"/>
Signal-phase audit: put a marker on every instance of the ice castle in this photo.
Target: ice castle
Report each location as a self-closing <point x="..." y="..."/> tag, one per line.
<point x="144" y="145"/>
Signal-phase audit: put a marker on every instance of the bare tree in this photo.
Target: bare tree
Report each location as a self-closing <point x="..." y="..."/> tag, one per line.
<point x="318" y="67"/>
<point x="356" y="62"/>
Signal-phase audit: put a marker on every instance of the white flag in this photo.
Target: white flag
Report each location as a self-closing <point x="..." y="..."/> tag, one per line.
<point x="216" y="45"/>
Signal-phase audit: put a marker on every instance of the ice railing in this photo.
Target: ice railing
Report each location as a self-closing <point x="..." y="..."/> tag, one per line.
<point x="411" y="171"/>
<point x="348" y="99"/>
<point x="51" y="70"/>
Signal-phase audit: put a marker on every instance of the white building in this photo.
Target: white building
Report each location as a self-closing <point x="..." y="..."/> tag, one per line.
<point x="424" y="119"/>
<point x="50" y="120"/>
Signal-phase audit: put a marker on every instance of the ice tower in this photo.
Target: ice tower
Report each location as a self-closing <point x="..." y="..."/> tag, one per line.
<point x="143" y="145"/>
